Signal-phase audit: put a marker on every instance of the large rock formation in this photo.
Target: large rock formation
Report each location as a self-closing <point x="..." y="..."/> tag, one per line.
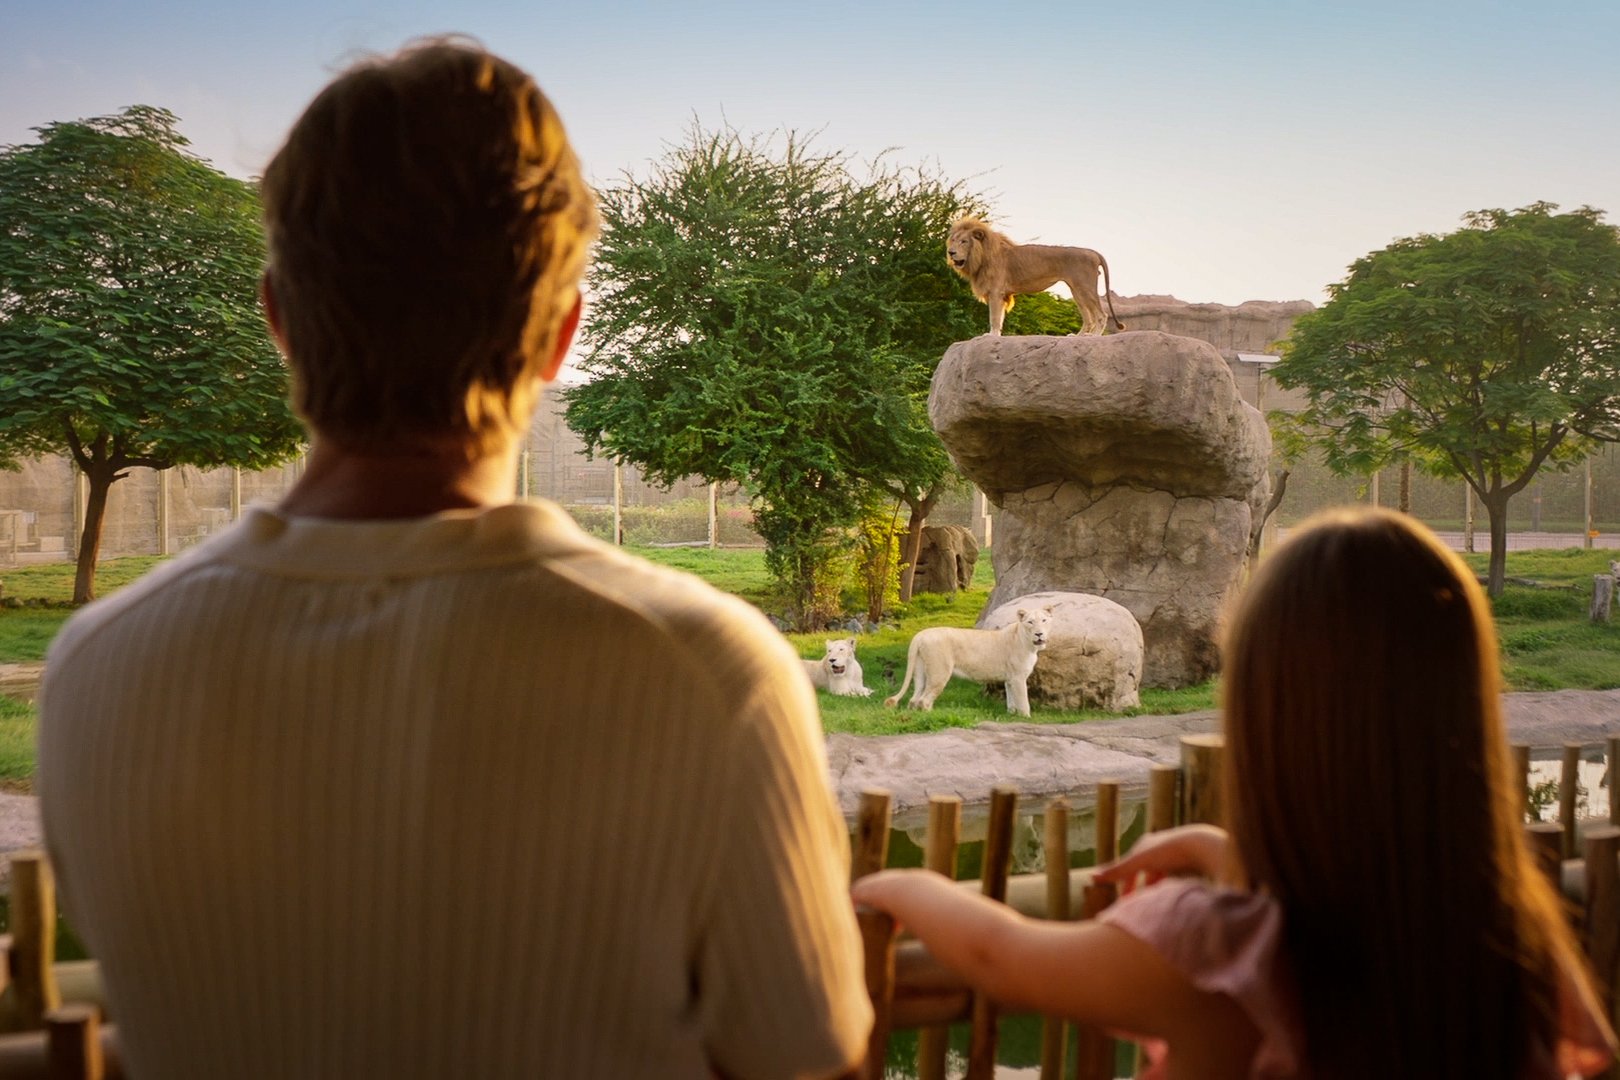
<point x="1125" y="466"/>
<point x="946" y="561"/>
<point x="1093" y="654"/>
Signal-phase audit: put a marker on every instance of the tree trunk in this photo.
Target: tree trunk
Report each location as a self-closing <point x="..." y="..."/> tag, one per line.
<point x="1406" y="487"/>
<point x="1279" y="488"/>
<point x="99" y="479"/>
<point x="1496" y="507"/>
<point x="920" y="509"/>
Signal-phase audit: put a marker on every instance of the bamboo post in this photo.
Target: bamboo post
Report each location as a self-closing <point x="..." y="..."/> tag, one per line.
<point x="1547" y="846"/>
<point x="1162" y="781"/>
<point x="1162" y="803"/>
<point x="1094" y="1050"/>
<point x="1521" y="769"/>
<point x="944" y="835"/>
<point x="1094" y="1058"/>
<point x="1201" y="761"/>
<point x="871" y="834"/>
<point x="1601" y="932"/>
<point x="1107" y="821"/>
<point x="1054" y="1032"/>
<point x="1612" y="757"/>
<point x="33" y="937"/>
<point x="993" y="883"/>
<point x="877" y="939"/>
<point x="73" y="1041"/>
<point x="1568" y="785"/>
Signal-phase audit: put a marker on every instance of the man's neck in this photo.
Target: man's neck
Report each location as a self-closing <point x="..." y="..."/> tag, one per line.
<point x="407" y="482"/>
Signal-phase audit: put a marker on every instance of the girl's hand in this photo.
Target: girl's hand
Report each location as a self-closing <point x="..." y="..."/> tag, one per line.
<point x="1189" y="850"/>
<point x="888" y="889"/>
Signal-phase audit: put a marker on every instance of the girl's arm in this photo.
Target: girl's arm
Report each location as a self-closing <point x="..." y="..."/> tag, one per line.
<point x="1086" y="971"/>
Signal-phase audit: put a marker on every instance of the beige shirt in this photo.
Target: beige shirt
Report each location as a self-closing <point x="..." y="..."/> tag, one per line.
<point x="465" y="796"/>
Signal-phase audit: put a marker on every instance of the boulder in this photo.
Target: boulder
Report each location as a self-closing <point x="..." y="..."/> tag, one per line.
<point x="1125" y="466"/>
<point x="1093" y="654"/>
<point x="946" y="561"/>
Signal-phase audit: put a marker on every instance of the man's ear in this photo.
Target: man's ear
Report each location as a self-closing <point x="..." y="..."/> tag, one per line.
<point x="272" y="314"/>
<point x="565" y="338"/>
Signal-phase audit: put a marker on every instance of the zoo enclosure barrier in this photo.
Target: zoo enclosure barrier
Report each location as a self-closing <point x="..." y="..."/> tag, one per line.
<point x="912" y="990"/>
<point x="56" y="1011"/>
<point x="152" y="513"/>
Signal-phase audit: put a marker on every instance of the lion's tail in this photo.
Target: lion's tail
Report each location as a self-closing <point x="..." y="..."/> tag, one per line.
<point x="911" y="657"/>
<point x="1108" y="294"/>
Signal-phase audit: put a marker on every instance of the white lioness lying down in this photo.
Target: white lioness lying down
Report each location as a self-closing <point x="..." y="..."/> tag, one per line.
<point x="1005" y="655"/>
<point x="838" y="672"/>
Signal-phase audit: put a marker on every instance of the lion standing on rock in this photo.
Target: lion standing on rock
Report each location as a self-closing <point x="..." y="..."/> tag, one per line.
<point x="999" y="269"/>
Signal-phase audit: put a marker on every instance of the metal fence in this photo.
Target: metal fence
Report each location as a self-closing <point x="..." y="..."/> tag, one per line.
<point x="152" y="513"/>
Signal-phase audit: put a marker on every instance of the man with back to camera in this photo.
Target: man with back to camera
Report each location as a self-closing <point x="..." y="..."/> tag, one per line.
<point x="404" y="779"/>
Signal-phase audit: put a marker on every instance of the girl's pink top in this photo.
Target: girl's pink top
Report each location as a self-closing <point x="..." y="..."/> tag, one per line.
<point x="1230" y="942"/>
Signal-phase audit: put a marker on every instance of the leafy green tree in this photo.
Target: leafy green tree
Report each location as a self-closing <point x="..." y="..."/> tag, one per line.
<point x="1042" y="313"/>
<point x="765" y="316"/>
<point x="1037" y="313"/>
<point x="130" y="334"/>
<point x="1486" y="354"/>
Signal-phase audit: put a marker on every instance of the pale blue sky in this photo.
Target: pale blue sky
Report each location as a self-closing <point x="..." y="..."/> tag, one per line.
<point x="1215" y="151"/>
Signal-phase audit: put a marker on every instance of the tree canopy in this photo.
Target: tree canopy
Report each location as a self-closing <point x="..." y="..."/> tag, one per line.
<point x="1486" y="353"/>
<point x="130" y="334"/>
<point x="765" y="315"/>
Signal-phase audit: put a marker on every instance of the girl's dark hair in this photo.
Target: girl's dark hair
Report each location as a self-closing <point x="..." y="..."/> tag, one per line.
<point x="1368" y="790"/>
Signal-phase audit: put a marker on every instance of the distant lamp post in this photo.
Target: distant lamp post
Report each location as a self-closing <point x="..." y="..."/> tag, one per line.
<point x="1262" y="365"/>
<point x="1262" y="362"/>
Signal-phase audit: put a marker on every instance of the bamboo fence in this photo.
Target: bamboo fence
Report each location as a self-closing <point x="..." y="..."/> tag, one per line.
<point x="1582" y="858"/>
<point x="59" y="1029"/>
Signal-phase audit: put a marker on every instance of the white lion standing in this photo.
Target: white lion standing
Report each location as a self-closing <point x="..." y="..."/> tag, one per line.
<point x="838" y="672"/>
<point x="1005" y="655"/>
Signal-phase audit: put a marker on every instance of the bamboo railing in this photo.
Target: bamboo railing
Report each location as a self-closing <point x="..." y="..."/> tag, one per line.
<point x="1582" y="858"/>
<point x="56" y="1010"/>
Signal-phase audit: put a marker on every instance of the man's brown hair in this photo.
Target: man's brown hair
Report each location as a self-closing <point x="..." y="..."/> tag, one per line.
<point x="1368" y="790"/>
<point x="427" y="228"/>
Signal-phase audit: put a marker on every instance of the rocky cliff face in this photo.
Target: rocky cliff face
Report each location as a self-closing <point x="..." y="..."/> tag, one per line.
<point x="1251" y="327"/>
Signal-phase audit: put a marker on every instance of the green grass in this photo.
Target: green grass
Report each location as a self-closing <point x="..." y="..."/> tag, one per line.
<point x="739" y="571"/>
<point x="882" y="654"/>
<point x="25" y="632"/>
<point x="53" y="582"/>
<point x="1548" y="642"/>
<point x="68" y="945"/>
<point x="1548" y="639"/>
<point x="16" y="745"/>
